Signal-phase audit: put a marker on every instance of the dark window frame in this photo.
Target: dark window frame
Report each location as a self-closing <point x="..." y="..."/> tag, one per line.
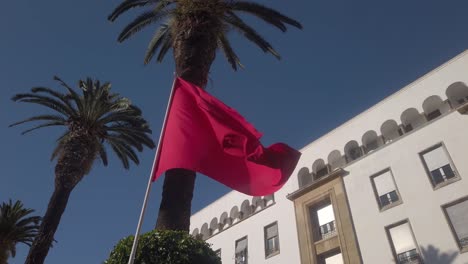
<point x="265" y="241"/>
<point x="390" y="240"/>
<point x="462" y="249"/>
<point x="438" y="185"/>
<point x="376" y="194"/>
<point x="246" y="250"/>
<point x="314" y="226"/>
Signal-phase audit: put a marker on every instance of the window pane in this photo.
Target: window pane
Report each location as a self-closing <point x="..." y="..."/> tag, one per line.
<point x="241" y="245"/>
<point x="384" y="183"/>
<point x="271" y="230"/>
<point x="394" y="196"/>
<point x="436" y="158"/>
<point x="335" y="259"/>
<point x="458" y="215"/>
<point x="437" y="176"/>
<point x="448" y="171"/>
<point x="402" y="238"/>
<point x="325" y="215"/>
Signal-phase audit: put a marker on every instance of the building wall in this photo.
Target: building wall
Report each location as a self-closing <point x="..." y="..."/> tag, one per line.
<point x="421" y="204"/>
<point x="281" y="211"/>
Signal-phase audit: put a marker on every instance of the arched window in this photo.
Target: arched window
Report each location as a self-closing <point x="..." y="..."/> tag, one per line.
<point x="336" y="160"/>
<point x="411" y="119"/>
<point x="457" y="93"/>
<point x="371" y="141"/>
<point x="304" y="177"/>
<point x="352" y="151"/>
<point x="390" y="130"/>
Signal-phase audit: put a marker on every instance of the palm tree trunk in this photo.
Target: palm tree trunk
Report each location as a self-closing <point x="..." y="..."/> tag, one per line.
<point x="195" y="43"/>
<point x="50" y="222"/>
<point x="73" y="164"/>
<point x="4" y="255"/>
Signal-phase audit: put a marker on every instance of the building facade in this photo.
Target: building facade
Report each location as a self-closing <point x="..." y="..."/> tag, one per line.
<point x="388" y="186"/>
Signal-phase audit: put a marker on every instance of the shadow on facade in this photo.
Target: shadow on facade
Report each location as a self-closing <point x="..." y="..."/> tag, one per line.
<point x="433" y="255"/>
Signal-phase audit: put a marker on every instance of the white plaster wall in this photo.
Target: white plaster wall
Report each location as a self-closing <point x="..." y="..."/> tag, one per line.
<point x="421" y="204"/>
<point x="253" y="227"/>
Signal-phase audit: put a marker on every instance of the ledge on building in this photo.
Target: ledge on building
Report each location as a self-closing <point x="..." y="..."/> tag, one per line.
<point x="336" y="173"/>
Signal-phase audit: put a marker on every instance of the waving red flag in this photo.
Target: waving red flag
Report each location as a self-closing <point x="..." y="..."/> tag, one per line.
<point x="202" y="134"/>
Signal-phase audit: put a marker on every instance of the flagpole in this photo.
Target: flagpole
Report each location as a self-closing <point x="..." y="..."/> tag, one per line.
<point x="150" y="180"/>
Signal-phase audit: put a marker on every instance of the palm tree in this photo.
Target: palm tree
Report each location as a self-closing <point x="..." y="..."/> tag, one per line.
<point x="16" y="227"/>
<point x="91" y="119"/>
<point x="194" y="29"/>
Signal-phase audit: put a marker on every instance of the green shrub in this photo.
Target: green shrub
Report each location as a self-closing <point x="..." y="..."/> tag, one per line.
<point x="164" y="247"/>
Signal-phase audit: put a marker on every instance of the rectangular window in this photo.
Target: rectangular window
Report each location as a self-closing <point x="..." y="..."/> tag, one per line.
<point x="437" y="163"/>
<point x="271" y="239"/>
<point x="385" y="189"/>
<point x="326" y="221"/>
<point x="457" y="214"/>
<point x="403" y="243"/>
<point x="241" y="251"/>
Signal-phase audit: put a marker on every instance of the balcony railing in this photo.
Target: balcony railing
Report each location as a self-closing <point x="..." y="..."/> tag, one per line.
<point x="327" y="230"/>
<point x="388" y="198"/>
<point x="464" y="242"/>
<point x="409" y="257"/>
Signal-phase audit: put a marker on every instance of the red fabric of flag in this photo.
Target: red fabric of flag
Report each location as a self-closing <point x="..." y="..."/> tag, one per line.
<point x="204" y="135"/>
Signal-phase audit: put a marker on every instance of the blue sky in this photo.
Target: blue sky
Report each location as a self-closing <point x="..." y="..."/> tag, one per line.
<point x="350" y="55"/>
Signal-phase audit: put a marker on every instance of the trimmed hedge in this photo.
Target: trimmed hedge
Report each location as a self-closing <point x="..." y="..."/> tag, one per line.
<point x="164" y="247"/>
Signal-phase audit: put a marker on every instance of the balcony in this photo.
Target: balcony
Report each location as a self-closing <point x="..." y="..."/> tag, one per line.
<point x="327" y="230"/>
<point x="388" y="199"/>
<point x="409" y="257"/>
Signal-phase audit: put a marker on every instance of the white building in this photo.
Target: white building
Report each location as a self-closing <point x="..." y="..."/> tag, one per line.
<point x="388" y="186"/>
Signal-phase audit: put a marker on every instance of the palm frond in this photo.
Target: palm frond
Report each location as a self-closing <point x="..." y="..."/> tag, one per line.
<point x="62" y="97"/>
<point x="103" y="154"/>
<point x="16" y="226"/>
<point x="40" y="118"/>
<point x="48" y="124"/>
<point x="228" y="51"/>
<point x="128" y="4"/>
<point x="120" y="154"/>
<point x="143" y="20"/>
<point x="45" y="101"/>
<point x="250" y="33"/>
<point x="96" y="113"/>
<point x="73" y="95"/>
<point x="268" y="14"/>
<point x="158" y="39"/>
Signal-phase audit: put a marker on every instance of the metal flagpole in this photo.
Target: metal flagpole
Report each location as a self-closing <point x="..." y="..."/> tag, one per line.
<point x="150" y="180"/>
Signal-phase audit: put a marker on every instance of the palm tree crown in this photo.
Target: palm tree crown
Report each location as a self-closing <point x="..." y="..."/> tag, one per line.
<point x="219" y="16"/>
<point x="98" y="114"/>
<point x="16" y="227"/>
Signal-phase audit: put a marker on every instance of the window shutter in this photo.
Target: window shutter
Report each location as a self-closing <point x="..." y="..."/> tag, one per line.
<point x="272" y="231"/>
<point x="384" y="183"/>
<point x="458" y="215"/>
<point x="402" y="238"/>
<point x="436" y="158"/>
<point x="241" y="245"/>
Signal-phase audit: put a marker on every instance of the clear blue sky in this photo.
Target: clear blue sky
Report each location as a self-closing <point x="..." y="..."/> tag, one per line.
<point x="350" y="55"/>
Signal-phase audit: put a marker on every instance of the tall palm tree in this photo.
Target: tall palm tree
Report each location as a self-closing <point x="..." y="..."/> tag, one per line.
<point x="194" y="29"/>
<point x="93" y="119"/>
<point x="16" y="226"/>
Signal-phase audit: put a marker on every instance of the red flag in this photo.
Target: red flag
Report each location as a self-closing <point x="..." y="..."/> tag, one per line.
<point x="202" y="134"/>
